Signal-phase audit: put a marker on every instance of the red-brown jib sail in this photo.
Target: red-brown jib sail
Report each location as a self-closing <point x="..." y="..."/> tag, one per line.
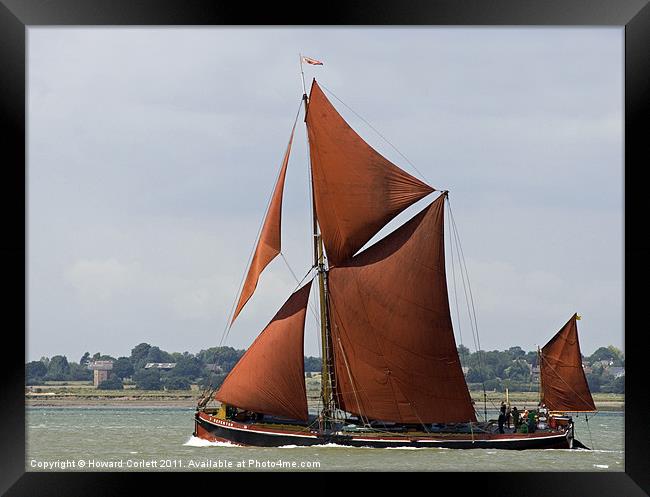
<point x="356" y="190"/>
<point x="563" y="382"/>
<point x="394" y="347"/>
<point x="269" y="243"/>
<point x="270" y="377"/>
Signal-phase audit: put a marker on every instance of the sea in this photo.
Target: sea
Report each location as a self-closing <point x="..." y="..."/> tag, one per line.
<point x="160" y="439"/>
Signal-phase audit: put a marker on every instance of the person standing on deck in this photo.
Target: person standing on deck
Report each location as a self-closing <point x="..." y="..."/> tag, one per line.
<point x="516" y="417"/>
<point x="532" y="423"/>
<point x="502" y="418"/>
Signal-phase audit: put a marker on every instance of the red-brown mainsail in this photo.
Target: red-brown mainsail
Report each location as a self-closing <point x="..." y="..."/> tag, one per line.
<point x="356" y="190"/>
<point x="269" y="242"/>
<point x="563" y="382"/>
<point x="394" y="347"/>
<point x="388" y="352"/>
<point x="270" y="378"/>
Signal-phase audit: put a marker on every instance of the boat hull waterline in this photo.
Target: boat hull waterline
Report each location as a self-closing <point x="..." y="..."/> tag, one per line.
<point x="213" y="429"/>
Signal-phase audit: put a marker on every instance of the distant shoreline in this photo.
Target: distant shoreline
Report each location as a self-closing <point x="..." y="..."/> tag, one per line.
<point x="110" y="402"/>
<point x="189" y="400"/>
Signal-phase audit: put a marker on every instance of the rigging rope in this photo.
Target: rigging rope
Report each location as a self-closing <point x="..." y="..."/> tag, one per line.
<point x="453" y="272"/>
<point x="363" y="418"/>
<point x="591" y="440"/>
<point x="311" y="307"/>
<point x="468" y="299"/>
<point x="464" y="266"/>
<point x="458" y="319"/>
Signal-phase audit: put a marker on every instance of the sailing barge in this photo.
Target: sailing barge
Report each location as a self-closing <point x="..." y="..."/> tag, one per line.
<point x="391" y="375"/>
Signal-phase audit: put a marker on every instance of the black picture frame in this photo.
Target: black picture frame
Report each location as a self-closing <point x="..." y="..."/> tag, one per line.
<point x="16" y="16"/>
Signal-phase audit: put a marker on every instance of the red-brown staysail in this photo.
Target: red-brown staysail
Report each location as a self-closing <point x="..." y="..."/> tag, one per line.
<point x="269" y="242"/>
<point x="394" y="347"/>
<point x="356" y="190"/>
<point x="270" y="377"/>
<point x="563" y="382"/>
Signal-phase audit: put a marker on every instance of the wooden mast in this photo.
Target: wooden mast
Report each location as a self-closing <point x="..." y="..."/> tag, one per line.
<point x="319" y="263"/>
<point x="539" y="366"/>
<point x="326" y="377"/>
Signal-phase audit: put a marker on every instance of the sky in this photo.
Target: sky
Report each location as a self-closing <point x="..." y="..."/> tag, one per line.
<point x="152" y="153"/>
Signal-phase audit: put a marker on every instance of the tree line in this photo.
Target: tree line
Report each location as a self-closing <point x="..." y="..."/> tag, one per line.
<point x="189" y="368"/>
<point x="493" y="370"/>
<point x="517" y="369"/>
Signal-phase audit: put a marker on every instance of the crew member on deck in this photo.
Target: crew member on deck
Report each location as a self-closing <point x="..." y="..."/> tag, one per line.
<point x="502" y="418"/>
<point x="532" y="423"/>
<point x="516" y="417"/>
<point x="523" y="428"/>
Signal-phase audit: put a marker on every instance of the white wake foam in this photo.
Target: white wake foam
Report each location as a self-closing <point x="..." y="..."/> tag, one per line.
<point x="327" y="446"/>
<point x="201" y="442"/>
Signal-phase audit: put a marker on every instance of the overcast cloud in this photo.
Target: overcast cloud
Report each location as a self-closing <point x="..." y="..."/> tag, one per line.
<point x="152" y="153"/>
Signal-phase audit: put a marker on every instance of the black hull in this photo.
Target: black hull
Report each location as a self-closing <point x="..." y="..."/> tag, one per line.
<point x="210" y="428"/>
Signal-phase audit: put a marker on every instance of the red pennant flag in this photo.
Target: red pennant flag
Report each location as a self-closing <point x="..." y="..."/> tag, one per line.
<point x="311" y="61"/>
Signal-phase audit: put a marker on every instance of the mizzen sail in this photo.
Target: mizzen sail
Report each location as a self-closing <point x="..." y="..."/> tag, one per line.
<point x="563" y="381"/>
<point x="269" y="243"/>
<point x="394" y="349"/>
<point x="356" y="190"/>
<point x="270" y="377"/>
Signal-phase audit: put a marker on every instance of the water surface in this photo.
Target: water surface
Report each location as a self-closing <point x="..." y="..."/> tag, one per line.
<point x="160" y="439"/>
